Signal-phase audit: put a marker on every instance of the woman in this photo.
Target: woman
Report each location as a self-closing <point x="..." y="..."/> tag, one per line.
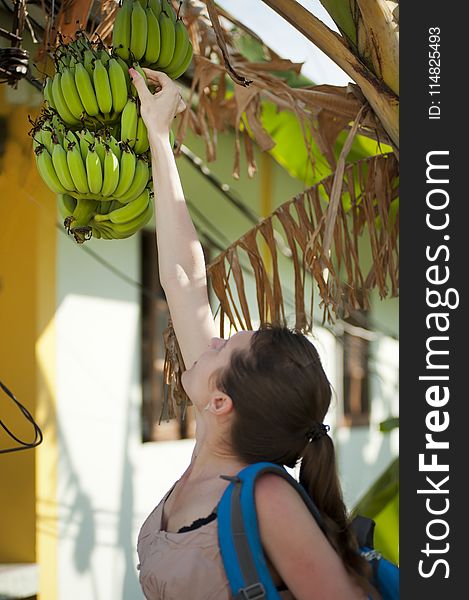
<point x="258" y="396"/>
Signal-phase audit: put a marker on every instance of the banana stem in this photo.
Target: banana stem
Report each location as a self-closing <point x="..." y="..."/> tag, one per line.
<point x="84" y="212"/>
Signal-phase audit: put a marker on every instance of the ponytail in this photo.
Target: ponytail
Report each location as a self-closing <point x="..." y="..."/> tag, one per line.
<point x="318" y="475"/>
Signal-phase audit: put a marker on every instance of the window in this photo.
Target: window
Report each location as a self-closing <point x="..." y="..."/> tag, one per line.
<point x="356" y="380"/>
<point x="154" y="321"/>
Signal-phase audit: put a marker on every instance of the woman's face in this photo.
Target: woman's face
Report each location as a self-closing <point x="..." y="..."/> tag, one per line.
<point x="197" y="381"/>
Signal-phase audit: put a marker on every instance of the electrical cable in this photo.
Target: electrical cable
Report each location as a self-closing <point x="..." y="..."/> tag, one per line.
<point x="38" y="433"/>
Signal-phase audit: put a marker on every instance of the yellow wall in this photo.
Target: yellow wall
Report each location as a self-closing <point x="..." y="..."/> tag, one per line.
<point x="28" y="512"/>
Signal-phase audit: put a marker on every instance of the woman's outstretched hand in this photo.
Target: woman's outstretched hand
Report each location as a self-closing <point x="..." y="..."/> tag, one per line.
<point x="159" y="109"/>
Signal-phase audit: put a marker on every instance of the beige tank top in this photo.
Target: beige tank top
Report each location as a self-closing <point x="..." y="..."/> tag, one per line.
<point x="182" y="566"/>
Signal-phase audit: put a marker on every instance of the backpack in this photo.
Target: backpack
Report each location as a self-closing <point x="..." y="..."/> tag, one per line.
<point x="241" y="548"/>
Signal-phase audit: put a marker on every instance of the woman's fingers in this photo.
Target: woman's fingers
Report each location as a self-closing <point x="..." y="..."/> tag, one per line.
<point x="140" y="84"/>
<point x="157" y="77"/>
<point x="181" y="106"/>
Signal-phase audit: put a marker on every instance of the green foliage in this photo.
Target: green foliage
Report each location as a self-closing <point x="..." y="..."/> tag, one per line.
<point x="381" y="503"/>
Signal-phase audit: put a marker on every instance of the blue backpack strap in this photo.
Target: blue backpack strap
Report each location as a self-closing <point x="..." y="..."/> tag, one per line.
<point x="238" y="533"/>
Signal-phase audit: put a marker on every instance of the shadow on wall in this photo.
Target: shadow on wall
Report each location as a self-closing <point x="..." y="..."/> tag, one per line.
<point x="80" y="524"/>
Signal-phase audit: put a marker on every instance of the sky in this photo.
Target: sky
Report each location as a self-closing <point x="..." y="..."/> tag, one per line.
<point x="286" y="41"/>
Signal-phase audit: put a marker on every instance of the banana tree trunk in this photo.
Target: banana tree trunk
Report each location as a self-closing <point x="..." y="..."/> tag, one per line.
<point x="382" y="99"/>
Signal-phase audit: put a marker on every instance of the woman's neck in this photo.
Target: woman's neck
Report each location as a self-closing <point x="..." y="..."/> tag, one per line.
<point x="212" y="457"/>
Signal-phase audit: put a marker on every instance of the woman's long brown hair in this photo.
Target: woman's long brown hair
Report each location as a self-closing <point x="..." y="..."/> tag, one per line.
<point x="280" y="393"/>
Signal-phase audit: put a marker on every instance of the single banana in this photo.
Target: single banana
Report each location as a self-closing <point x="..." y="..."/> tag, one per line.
<point x="47" y="171"/>
<point x="66" y="205"/>
<point x="70" y="94"/>
<point x="126" y="172"/>
<point x="104" y="56"/>
<point x="129" y="119"/>
<point x="139" y="70"/>
<point x="94" y="171"/>
<point x="100" y="148"/>
<point x="168" y="40"/>
<point x="70" y="138"/>
<point x="184" y="65"/>
<point x="119" y="87"/>
<point x="124" y="230"/>
<point x="142" y="144"/>
<point x="114" y="145"/>
<point x="86" y="90"/>
<point x="37" y="139"/>
<point x="139" y="182"/>
<point x="130" y="211"/>
<point x="167" y="6"/>
<point x="59" y="160"/>
<point x="111" y="173"/>
<point x="58" y="125"/>
<point x="181" y="45"/>
<point x="138" y="40"/>
<point x="47" y="91"/>
<point x="152" y="50"/>
<point x="77" y="169"/>
<point x="46" y="139"/>
<point x="86" y="138"/>
<point x="125" y="69"/>
<point x="155" y="6"/>
<point x="121" y="34"/>
<point x="60" y="102"/>
<point x="102" y="87"/>
<point x="88" y="61"/>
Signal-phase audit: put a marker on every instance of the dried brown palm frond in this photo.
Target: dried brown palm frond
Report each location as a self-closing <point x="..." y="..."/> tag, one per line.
<point x="323" y="237"/>
<point x="367" y="50"/>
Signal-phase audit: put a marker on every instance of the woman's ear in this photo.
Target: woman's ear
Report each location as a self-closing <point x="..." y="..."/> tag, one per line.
<point x="220" y="404"/>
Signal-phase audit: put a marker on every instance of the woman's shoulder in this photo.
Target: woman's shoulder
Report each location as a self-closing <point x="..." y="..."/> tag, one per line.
<point x="279" y="505"/>
<point x="295" y="544"/>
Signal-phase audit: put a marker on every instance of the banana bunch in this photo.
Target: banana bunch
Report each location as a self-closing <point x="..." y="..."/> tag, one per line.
<point x="92" y="91"/>
<point x="87" y="218"/>
<point x="151" y="33"/>
<point x="88" y="165"/>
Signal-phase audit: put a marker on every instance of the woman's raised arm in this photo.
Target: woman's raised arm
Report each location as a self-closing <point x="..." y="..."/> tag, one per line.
<point x="180" y="256"/>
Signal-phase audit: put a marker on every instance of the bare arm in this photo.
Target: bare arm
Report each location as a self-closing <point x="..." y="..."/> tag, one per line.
<point x="180" y="255"/>
<point x="297" y="548"/>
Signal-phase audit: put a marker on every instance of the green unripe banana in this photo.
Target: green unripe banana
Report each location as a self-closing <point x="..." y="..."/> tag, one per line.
<point x="180" y="47"/>
<point x="47" y="171"/>
<point x="77" y="169"/>
<point x="168" y="40"/>
<point x="48" y="93"/>
<point x="138" y="41"/>
<point x="86" y="90"/>
<point x="126" y="172"/>
<point x="94" y="171"/>
<point x="60" y="102"/>
<point x="121" y="34"/>
<point x="59" y="160"/>
<point x="102" y="87"/>
<point x="152" y="50"/>
<point x="184" y="65"/>
<point x="119" y="87"/>
<point x="129" y="119"/>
